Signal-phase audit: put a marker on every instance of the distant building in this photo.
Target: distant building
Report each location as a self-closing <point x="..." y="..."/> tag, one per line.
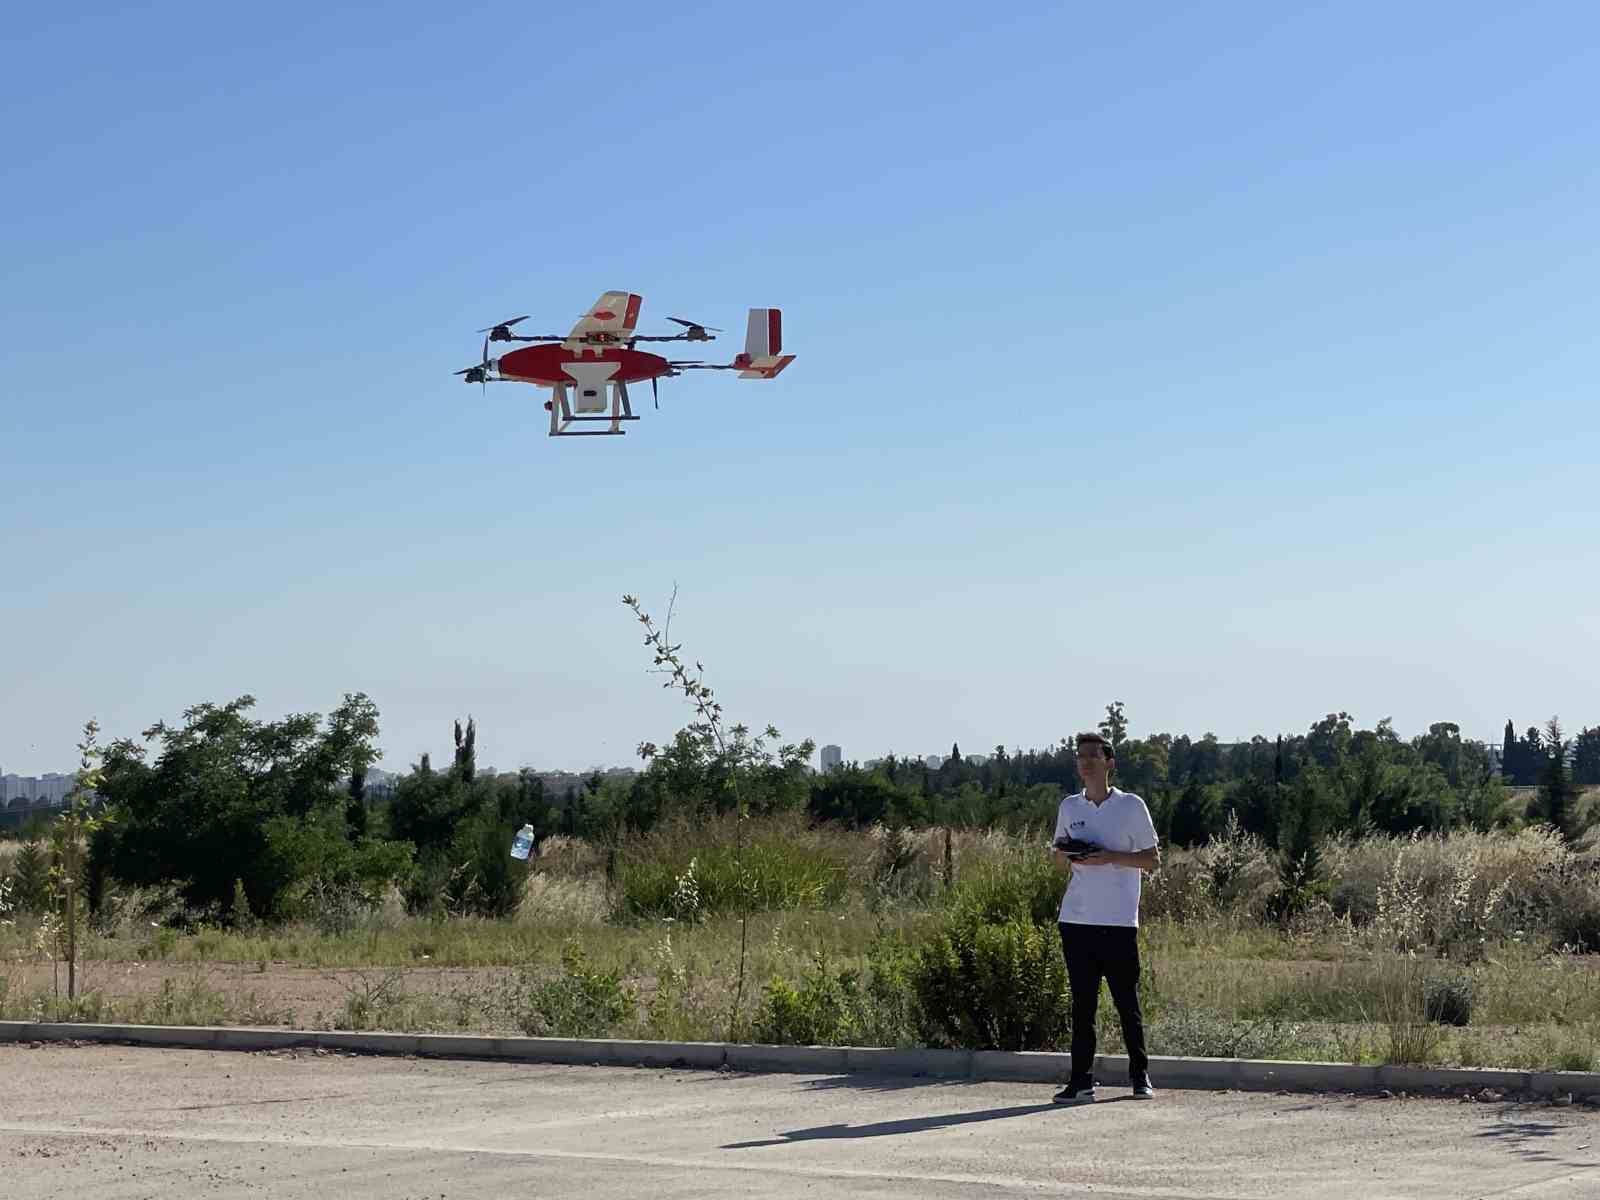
<point x="934" y="761"/>
<point x="832" y="757"/>
<point x="53" y="788"/>
<point x="46" y="791"/>
<point x="23" y="797"/>
<point x="16" y="787"/>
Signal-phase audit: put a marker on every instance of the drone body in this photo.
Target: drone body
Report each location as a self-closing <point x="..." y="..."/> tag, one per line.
<point x="588" y="370"/>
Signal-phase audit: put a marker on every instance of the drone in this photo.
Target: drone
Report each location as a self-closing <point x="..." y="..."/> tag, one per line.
<point x="589" y="369"/>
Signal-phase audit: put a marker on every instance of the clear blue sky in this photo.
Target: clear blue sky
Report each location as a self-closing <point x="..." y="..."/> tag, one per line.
<point x="1234" y="361"/>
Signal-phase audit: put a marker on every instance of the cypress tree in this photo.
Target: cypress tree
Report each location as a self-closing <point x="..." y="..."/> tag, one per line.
<point x="1556" y="785"/>
<point x="30" y="875"/>
<point x="355" y="809"/>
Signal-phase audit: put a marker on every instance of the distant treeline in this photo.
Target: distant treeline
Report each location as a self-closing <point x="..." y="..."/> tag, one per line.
<point x="1333" y="778"/>
<point x="245" y="819"/>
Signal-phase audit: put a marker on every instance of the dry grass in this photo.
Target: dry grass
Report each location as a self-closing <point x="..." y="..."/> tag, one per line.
<point x="1344" y="983"/>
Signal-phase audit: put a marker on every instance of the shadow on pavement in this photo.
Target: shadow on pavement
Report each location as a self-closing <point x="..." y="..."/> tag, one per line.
<point x="886" y="1083"/>
<point x="1523" y="1139"/>
<point x="912" y="1124"/>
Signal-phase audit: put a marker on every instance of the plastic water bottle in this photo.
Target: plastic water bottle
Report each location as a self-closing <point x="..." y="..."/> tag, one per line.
<point x="522" y="844"/>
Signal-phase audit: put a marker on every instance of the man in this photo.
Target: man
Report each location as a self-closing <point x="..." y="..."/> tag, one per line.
<point x="1100" y="912"/>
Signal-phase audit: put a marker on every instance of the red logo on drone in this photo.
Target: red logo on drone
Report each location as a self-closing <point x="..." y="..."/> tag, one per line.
<point x="603" y="314"/>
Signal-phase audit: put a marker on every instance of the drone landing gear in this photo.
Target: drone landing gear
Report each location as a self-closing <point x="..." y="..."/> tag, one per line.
<point x="590" y="406"/>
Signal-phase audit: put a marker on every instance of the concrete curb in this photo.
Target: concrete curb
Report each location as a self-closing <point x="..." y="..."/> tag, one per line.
<point x="1217" y="1074"/>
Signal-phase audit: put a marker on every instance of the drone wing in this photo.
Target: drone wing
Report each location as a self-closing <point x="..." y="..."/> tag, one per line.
<point x="763" y="355"/>
<point x="615" y="313"/>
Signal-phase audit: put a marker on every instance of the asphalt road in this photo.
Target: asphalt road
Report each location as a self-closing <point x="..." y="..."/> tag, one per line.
<point x="104" y="1121"/>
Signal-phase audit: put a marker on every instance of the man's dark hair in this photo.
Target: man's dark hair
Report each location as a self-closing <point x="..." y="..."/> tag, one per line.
<point x="1097" y="739"/>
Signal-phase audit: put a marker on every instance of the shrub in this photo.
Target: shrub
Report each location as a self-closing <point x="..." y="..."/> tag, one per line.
<point x="1448" y="999"/>
<point x="1462" y="887"/>
<point x="992" y="985"/>
<point x="489" y="882"/>
<point x="1563" y="899"/>
<point x="816" y="1013"/>
<point x="842" y="1006"/>
<point x="582" y="1002"/>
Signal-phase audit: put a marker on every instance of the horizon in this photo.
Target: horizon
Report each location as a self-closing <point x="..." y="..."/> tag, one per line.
<point x="1239" y="365"/>
<point x="443" y="751"/>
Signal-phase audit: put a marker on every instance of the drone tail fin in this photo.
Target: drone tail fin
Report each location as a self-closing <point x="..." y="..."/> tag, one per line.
<point x="763" y="345"/>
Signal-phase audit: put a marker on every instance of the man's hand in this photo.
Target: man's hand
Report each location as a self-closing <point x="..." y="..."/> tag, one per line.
<point x="1143" y="860"/>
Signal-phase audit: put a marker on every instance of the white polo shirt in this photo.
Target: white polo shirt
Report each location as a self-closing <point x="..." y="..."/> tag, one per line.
<point x="1107" y="894"/>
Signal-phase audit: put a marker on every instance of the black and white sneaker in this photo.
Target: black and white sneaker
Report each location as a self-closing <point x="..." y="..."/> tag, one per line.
<point x="1077" y="1091"/>
<point x="1141" y="1086"/>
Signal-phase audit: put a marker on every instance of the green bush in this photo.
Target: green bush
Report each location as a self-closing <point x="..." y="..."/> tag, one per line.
<point x="582" y="1002"/>
<point x="1448" y="999"/>
<point x="843" y="1006"/>
<point x="817" y="1013"/>
<point x="992" y="985"/>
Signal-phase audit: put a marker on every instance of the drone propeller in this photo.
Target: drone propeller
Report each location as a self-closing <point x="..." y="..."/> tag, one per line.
<point x="479" y="373"/>
<point x="502" y="331"/>
<point x="697" y="332"/>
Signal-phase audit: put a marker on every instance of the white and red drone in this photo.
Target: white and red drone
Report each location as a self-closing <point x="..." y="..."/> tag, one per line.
<point x="588" y="370"/>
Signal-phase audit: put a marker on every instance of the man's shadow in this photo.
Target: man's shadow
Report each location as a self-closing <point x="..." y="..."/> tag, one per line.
<point x="911" y="1124"/>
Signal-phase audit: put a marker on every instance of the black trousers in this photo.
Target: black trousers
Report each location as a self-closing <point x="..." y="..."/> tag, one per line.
<point x="1109" y="952"/>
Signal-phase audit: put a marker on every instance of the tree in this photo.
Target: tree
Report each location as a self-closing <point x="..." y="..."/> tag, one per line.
<point x="1255" y="799"/>
<point x="355" y="809"/>
<point x="1442" y="746"/>
<point x="1300" y="879"/>
<point x="461" y="826"/>
<point x="230" y="798"/>
<point x="1329" y="740"/>
<point x="466" y="763"/>
<point x="1115" y="727"/>
<point x="1586" y="757"/>
<point x="70" y="833"/>
<point x="1556" y="793"/>
<point x="30" y="876"/>
<point x="859" y="798"/>
<point x="1510" y="752"/>
<point x="428" y="806"/>
<point x="1141" y="766"/>
<point x="1194" y="816"/>
<point x="1531" y="757"/>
